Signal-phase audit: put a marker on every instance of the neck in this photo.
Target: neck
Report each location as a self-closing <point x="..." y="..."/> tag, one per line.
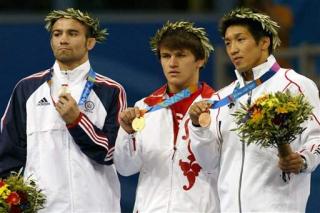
<point x="248" y="75"/>
<point x="175" y="89"/>
<point x="69" y="66"/>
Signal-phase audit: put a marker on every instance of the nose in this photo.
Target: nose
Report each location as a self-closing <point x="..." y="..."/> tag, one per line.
<point x="233" y="48"/>
<point x="173" y="61"/>
<point x="64" y="39"/>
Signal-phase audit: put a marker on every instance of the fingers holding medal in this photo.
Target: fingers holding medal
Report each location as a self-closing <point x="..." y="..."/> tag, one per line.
<point x="205" y="119"/>
<point x="132" y="120"/>
<point x="138" y="122"/>
<point x="200" y="114"/>
<point x="64" y="89"/>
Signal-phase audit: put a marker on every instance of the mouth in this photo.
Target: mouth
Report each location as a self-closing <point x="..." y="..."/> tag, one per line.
<point x="63" y="48"/>
<point x="174" y="73"/>
<point x="237" y="60"/>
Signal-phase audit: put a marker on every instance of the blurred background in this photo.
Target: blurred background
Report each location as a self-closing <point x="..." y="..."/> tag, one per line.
<point x="126" y="56"/>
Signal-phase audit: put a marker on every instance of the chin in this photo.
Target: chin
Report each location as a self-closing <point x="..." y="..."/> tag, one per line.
<point x="65" y="59"/>
<point x="241" y="69"/>
<point x="172" y="80"/>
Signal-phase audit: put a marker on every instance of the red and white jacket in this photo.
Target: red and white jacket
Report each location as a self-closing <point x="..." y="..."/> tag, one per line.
<point x="250" y="179"/>
<point x="171" y="179"/>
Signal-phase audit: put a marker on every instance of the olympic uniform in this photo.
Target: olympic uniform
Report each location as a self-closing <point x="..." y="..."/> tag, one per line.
<point x="250" y="179"/>
<point x="73" y="165"/>
<point x="170" y="180"/>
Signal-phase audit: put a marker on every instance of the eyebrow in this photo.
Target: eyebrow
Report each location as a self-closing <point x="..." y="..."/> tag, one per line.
<point x="68" y="30"/>
<point x="236" y="36"/>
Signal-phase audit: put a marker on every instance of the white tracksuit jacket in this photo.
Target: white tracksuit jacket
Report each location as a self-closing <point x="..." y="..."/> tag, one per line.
<point x="71" y="164"/>
<point x="170" y="178"/>
<point x="250" y="179"/>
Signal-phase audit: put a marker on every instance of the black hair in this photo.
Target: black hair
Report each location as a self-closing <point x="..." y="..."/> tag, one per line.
<point x="253" y="26"/>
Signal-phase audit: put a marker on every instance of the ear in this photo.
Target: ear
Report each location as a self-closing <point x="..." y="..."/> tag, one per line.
<point x="91" y="42"/>
<point x="200" y="63"/>
<point x="265" y="43"/>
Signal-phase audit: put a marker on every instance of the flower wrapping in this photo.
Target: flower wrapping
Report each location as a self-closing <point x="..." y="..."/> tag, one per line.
<point x="20" y="195"/>
<point x="273" y="119"/>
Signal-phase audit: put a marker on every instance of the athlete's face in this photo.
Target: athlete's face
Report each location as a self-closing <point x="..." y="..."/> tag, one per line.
<point x="69" y="42"/>
<point x="180" y="68"/>
<point x="243" y="50"/>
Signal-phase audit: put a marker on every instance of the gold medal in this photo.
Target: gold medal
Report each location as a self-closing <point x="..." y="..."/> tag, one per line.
<point x="138" y="124"/>
<point x="204" y="119"/>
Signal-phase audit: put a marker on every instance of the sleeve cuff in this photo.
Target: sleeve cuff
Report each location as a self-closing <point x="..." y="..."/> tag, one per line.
<point x="75" y="123"/>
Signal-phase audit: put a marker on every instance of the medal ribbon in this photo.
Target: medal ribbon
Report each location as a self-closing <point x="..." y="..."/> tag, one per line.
<point x="237" y="93"/>
<point x="87" y="88"/>
<point x="172" y="100"/>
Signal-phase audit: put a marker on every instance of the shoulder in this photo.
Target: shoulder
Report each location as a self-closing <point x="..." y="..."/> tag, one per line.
<point x="300" y="81"/>
<point x="108" y="89"/>
<point x="108" y="82"/>
<point x="156" y="97"/>
<point x="28" y="85"/>
<point x="32" y="82"/>
<point x="207" y="91"/>
<point x="36" y="77"/>
<point x="141" y="104"/>
<point x="226" y="90"/>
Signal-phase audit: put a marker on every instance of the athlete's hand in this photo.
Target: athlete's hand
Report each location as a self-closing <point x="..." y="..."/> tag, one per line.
<point x="292" y="163"/>
<point x="196" y="109"/>
<point x="67" y="108"/>
<point x="126" y="118"/>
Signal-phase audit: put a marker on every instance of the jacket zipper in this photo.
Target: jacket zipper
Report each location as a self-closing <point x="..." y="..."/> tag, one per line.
<point x="172" y="159"/>
<point x="242" y="161"/>
<point x="220" y="142"/>
<point x="171" y="183"/>
<point x="240" y="178"/>
<point x="70" y="173"/>
<point x="174" y="152"/>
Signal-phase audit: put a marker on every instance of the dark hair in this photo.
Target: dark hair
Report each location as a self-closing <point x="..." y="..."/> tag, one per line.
<point x="253" y="26"/>
<point x="181" y="39"/>
<point x="92" y="24"/>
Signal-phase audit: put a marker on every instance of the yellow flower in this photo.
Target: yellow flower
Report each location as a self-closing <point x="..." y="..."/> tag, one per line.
<point x="261" y="99"/>
<point x="257" y="116"/>
<point x="4" y="191"/>
<point x="291" y="106"/>
<point x="281" y="109"/>
<point x="271" y="102"/>
<point x="6" y="194"/>
<point x="3" y="188"/>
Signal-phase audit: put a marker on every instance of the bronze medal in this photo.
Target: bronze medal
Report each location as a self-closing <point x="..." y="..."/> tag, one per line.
<point x="64" y="89"/>
<point x="204" y="119"/>
<point x="138" y="124"/>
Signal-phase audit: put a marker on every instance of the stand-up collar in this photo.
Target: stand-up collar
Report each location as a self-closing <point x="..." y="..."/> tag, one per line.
<point x="70" y="77"/>
<point x="74" y="79"/>
<point x="259" y="70"/>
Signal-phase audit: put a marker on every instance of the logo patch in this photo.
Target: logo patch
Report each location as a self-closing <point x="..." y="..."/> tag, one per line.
<point x="43" y="102"/>
<point x="89" y="106"/>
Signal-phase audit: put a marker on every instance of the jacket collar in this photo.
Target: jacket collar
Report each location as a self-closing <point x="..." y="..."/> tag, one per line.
<point x="71" y="77"/>
<point x="258" y="71"/>
<point x="161" y="94"/>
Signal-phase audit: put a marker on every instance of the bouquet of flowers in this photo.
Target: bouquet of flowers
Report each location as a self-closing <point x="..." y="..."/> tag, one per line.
<point x="20" y="195"/>
<point x="273" y="120"/>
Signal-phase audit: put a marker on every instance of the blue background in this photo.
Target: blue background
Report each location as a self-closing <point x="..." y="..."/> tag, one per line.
<point x="125" y="57"/>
